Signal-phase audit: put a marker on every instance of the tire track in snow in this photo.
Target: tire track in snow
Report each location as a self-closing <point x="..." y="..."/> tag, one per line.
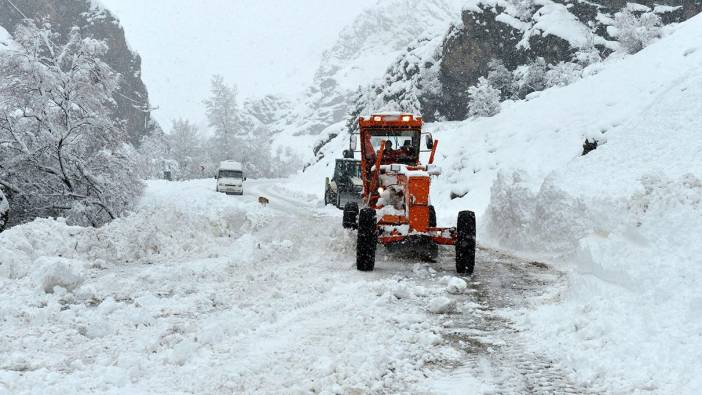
<point x="491" y="342"/>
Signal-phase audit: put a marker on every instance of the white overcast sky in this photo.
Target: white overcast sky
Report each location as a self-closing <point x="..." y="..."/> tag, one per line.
<point x="262" y="46"/>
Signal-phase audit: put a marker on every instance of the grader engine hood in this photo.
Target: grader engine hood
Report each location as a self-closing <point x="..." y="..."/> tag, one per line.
<point x="405" y="193"/>
<point x="417" y="198"/>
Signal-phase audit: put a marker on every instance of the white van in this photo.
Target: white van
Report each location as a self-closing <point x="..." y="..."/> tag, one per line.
<point x="230" y="178"/>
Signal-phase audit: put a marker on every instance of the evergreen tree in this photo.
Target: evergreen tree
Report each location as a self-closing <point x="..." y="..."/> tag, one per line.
<point x="223" y="117"/>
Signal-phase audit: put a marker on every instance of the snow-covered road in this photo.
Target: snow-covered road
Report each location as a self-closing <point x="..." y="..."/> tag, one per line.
<point x="199" y="292"/>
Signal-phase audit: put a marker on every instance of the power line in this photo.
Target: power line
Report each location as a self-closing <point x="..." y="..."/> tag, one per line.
<point x="17" y="9"/>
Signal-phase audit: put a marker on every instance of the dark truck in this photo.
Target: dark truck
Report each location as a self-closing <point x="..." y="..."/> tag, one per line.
<point x="346" y="185"/>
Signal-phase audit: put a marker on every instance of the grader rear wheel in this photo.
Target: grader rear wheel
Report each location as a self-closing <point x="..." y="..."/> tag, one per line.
<point x="465" y="244"/>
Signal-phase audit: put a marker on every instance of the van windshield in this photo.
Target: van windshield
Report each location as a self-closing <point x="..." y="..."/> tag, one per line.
<point x="230" y="174"/>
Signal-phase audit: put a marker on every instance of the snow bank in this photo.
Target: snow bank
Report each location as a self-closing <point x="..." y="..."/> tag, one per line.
<point x="624" y="219"/>
<point x="161" y="229"/>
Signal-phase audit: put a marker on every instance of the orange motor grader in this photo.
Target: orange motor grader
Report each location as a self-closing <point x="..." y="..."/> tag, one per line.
<point x="396" y="209"/>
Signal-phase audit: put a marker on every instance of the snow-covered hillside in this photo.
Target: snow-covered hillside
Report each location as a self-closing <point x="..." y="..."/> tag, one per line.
<point x="625" y="219"/>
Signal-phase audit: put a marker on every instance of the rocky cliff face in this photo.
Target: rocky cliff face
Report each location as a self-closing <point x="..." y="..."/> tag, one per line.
<point x="433" y="75"/>
<point x="553" y="30"/>
<point x="95" y="21"/>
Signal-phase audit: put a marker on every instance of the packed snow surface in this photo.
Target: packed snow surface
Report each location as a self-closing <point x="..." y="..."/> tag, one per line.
<point x="199" y="292"/>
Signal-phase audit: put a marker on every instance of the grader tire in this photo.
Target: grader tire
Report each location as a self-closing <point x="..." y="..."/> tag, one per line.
<point x="465" y="244"/>
<point x="367" y="240"/>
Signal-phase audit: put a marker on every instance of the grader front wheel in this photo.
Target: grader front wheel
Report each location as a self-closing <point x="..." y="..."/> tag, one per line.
<point x="367" y="240"/>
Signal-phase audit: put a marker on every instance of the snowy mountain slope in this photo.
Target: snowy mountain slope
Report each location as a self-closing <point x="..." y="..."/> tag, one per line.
<point x="379" y="35"/>
<point x="361" y="54"/>
<point x="624" y="218"/>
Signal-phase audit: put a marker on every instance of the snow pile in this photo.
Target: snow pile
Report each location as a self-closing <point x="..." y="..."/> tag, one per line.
<point x="161" y="229"/>
<point x="626" y="216"/>
<point x="456" y="285"/>
<point x="5" y="39"/>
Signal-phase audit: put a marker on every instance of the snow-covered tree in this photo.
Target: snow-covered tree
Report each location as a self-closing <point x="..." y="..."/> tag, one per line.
<point x="500" y="77"/>
<point x="256" y="153"/>
<point x="530" y="78"/>
<point x="563" y="73"/>
<point x="483" y="99"/>
<point x="523" y="9"/>
<point x="187" y="148"/>
<point x="153" y="152"/>
<point x="223" y="117"/>
<point x="587" y="56"/>
<point x="60" y="152"/>
<point x="633" y="32"/>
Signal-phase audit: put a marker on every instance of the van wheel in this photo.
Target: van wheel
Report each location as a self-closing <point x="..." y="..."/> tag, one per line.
<point x="350" y="215"/>
<point x="465" y="243"/>
<point x="367" y="240"/>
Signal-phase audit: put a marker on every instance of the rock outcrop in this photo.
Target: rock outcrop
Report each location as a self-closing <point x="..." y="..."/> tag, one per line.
<point x="94" y="21"/>
<point x="434" y="73"/>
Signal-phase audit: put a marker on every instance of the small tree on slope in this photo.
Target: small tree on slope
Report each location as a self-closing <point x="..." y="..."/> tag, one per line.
<point x="60" y="152"/>
<point x="483" y="99"/>
<point x="635" y="33"/>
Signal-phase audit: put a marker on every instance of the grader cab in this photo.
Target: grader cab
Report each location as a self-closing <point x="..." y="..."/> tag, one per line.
<point x="396" y="209"/>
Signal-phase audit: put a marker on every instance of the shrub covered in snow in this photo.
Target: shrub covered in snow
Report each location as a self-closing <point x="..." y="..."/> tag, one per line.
<point x="633" y="32"/>
<point x="61" y="154"/>
<point x="587" y="56"/>
<point x="562" y="74"/>
<point x="500" y="77"/>
<point x="530" y="78"/>
<point x="483" y="99"/>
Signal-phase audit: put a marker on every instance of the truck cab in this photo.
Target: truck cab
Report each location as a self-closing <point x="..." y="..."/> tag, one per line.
<point x="345" y="185"/>
<point x="230" y="178"/>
